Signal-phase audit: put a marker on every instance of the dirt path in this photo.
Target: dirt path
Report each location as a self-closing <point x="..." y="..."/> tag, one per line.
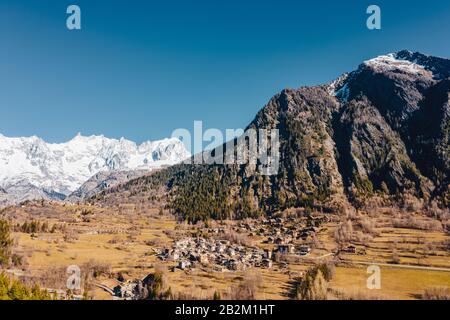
<point x="105" y="288"/>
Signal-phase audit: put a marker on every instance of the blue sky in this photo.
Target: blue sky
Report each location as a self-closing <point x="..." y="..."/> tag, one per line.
<point x="141" y="69"/>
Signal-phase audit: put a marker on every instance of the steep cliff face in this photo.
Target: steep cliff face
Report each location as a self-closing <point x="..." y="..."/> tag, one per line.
<point x="382" y="128"/>
<point x="308" y="160"/>
<point x="428" y="132"/>
<point x="372" y="155"/>
<point x="411" y="93"/>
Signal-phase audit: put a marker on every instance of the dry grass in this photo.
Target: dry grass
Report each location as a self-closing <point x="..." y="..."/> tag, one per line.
<point x="395" y="283"/>
<point x="436" y="293"/>
<point x="354" y="294"/>
<point x="412" y="222"/>
<point x="124" y="243"/>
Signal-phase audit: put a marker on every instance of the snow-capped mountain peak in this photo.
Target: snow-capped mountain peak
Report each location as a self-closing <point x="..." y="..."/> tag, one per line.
<point x="395" y="62"/>
<point x="400" y="64"/>
<point x="61" y="168"/>
<point x="411" y="63"/>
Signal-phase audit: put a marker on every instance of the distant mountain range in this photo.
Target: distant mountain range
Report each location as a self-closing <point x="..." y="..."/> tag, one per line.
<point x="383" y="128"/>
<point x="30" y="168"/>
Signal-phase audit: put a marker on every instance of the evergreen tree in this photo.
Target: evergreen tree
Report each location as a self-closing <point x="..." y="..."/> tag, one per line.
<point x="5" y="242"/>
<point x="16" y="290"/>
<point x="216" y="296"/>
<point x="314" y="285"/>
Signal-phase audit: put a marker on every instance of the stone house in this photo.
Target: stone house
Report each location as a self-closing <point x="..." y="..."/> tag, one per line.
<point x="304" y="250"/>
<point x="266" y="263"/>
<point x="267" y="254"/>
<point x="351" y="249"/>
<point x="285" y="248"/>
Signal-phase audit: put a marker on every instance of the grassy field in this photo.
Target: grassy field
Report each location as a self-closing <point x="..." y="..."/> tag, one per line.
<point x="126" y="243"/>
<point x="397" y="284"/>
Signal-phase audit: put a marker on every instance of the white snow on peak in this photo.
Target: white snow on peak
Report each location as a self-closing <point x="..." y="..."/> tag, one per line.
<point x="343" y="93"/>
<point x="64" y="167"/>
<point x="391" y="62"/>
<point x="339" y="89"/>
<point x="401" y="62"/>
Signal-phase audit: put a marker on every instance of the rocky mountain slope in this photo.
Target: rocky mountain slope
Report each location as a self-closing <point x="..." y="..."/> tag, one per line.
<point x="4" y="197"/>
<point x="383" y="128"/>
<point x="102" y="181"/>
<point x="30" y="168"/>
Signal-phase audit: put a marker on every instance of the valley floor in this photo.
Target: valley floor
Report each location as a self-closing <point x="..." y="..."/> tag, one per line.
<point x="113" y="246"/>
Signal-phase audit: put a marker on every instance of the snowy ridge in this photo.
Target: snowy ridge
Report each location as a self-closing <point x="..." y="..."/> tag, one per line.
<point x="395" y="62"/>
<point x="402" y="62"/>
<point x="32" y="164"/>
<point x="334" y="86"/>
<point x="339" y="88"/>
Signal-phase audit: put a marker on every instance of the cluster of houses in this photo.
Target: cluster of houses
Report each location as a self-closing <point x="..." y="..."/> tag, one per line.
<point x="282" y="231"/>
<point x="283" y="235"/>
<point x="131" y="290"/>
<point x="220" y="254"/>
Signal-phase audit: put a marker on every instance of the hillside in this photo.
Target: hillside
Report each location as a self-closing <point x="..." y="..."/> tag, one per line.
<point x="381" y="130"/>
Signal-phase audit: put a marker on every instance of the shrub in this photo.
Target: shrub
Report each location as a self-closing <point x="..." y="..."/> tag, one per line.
<point x="441" y="214"/>
<point x="16" y="290"/>
<point x="344" y="232"/>
<point x="314" y="285"/>
<point x="247" y="289"/>
<point x="412" y="222"/>
<point x="436" y="293"/>
<point x="395" y="258"/>
<point x="17" y="260"/>
<point x="411" y="203"/>
<point x="70" y="236"/>
<point x="363" y="238"/>
<point x="216" y="295"/>
<point x="367" y="225"/>
<point x="32" y="227"/>
<point x="96" y="269"/>
<point x="235" y="237"/>
<point x="157" y="285"/>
